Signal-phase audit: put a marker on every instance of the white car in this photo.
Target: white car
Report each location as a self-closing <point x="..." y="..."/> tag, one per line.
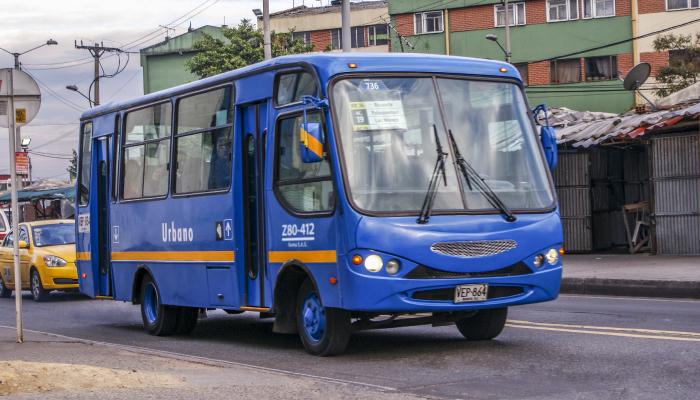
<point x="4" y="224"/>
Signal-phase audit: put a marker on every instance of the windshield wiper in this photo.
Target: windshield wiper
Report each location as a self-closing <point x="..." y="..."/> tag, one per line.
<point x="469" y="171"/>
<point x="432" y="187"/>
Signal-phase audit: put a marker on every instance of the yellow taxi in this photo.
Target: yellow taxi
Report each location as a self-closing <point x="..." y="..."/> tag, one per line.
<point x="47" y="258"/>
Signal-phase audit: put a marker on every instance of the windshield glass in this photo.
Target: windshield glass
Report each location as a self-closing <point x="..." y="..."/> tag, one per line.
<point x="387" y="128"/>
<point x="53" y="235"/>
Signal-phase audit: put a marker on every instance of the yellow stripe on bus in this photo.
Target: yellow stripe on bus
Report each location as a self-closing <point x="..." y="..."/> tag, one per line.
<point x="307" y="256"/>
<point x="82" y="256"/>
<point x="204" y="256"/>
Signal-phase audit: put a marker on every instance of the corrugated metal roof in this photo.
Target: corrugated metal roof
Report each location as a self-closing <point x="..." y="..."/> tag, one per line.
<point x="587" y="128"/>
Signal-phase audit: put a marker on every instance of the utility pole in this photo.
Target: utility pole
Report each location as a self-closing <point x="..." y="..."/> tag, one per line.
<point x="267" y="41"/>
<point x="345" y="27"/>
<point x="97" y="50"/>
<point x="508" y="31"/>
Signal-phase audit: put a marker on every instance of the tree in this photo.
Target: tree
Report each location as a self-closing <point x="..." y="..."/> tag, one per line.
<point x="244" y="46"/>
<point x="683" y="69"/>
<point x="73" y="166"/>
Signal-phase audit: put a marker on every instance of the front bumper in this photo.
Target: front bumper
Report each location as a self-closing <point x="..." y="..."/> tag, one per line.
<point x="59" y="278"/>
<point x="396" y="294"/>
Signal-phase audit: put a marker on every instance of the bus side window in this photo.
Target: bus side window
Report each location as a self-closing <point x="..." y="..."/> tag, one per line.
<point x="292" y="86"/>
<point x="203" y="153"/>
<point x="303" y="187"/>
<point x="85" y="160"/>
<point x="146" y="152"/>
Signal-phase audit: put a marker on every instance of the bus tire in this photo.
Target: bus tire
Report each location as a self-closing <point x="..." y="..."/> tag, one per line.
<point x="39" y="294"/>
<point x="323" y="331"/>
<point x="159" y="319"/>
<point x="484" y="325"/>
<point x="186" y="320"/>
<point x="5" y="292"/>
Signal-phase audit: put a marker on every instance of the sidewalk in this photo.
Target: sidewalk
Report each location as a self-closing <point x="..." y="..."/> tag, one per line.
<point x="47" y="367"/>
<point x="640" y="275"/>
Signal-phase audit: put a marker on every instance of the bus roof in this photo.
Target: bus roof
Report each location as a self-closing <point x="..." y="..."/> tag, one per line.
<point x="329" y="65"/>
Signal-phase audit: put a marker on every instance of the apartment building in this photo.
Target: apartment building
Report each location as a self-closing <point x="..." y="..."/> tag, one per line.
<point x="545" y="34"/>
<point x="320" y="26"/>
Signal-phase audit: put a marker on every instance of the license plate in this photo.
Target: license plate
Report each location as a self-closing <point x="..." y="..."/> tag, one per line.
<point x="465" y="293"/>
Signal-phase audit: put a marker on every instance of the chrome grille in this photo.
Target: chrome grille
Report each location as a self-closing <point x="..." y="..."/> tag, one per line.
<point x="478" y="248"/>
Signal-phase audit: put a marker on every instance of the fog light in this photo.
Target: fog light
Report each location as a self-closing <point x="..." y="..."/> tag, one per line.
<point x="373" y="263"/>
<point x="392" y="267"/>
<point x="539" y="259"/>
<point x="552" y="256"/>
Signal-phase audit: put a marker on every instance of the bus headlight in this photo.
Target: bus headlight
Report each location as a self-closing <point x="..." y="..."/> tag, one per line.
<point x="539" y="259"/>
<point x="53" y="261"/>
<point x="373" y="263"/>
<point x="392" y="267"/>
<point x="552" y="256"/>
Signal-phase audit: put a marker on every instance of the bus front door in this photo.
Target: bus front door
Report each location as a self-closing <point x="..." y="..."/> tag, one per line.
<point x="254" y="131"/>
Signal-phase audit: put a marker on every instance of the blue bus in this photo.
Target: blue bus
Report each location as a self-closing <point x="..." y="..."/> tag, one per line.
<point x="331" y="192"/>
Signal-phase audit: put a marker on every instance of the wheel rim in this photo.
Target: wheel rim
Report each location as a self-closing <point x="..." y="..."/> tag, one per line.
<point x="314" y="317"/>
<point x="150" y="303"/>
<point x="35" y="285"/>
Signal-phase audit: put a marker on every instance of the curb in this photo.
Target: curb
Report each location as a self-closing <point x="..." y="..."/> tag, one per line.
<point x="631" y="287"/>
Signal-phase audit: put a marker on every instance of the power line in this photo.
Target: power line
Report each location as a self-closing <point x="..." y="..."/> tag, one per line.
<point x="56" y="95"/>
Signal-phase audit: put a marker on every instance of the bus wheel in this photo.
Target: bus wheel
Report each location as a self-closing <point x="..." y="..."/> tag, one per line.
<point x="485" y="325"/>
<point x="159" y="319"/>
<point x="38" y="292"/>
<point x="186" y="320"/>
<point x="323" y="331"/>
<point x="4" y="291"/>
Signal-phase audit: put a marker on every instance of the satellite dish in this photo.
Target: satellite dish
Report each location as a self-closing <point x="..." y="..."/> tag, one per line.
<point x="637" y="76"/>
<point x="26" y="93"/>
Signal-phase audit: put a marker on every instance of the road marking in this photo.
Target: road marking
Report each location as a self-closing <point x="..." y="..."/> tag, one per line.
<point x="608" y="331"/>
<point x="206" y="360"/>
<point x="584" y="296"/>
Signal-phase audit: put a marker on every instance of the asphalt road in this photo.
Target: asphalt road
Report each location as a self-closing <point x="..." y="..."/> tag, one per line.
<point x="576" y="347"/>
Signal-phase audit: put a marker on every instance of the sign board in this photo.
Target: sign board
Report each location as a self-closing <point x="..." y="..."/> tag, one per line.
<point x="377" y="115"/>
<point x="26" y="94"/>
<point x="22" y="163"/>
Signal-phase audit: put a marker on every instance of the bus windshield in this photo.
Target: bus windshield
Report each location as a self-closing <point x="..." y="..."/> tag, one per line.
<point x="390" y="129"/>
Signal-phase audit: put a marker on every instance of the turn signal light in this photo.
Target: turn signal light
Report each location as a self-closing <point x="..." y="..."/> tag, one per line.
<point x="84" y="275"/>
<point x="333" y="280"/>
<point x="357" y="259"/>
<point x="561" y="251"/>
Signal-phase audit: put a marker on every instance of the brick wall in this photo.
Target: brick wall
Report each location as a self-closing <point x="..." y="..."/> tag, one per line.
<point x="651" y="6"/>
<point x="471" y="18"/>
<point x="404" y="24"/>
<point x="625" y="62"/>
<point x="656" y="59"/>
<point x="624" y="7"/>
<point x="536" y="12"/>
<point x="538" y="73"/>
<point x="321" y="39"/>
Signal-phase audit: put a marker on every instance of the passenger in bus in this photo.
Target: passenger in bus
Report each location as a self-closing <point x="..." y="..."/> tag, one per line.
<point x="220" y="171"/>
<point x="132" y="180"/>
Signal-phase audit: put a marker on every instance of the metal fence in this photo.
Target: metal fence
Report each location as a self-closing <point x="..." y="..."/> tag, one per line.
<point x="572" y="181"/>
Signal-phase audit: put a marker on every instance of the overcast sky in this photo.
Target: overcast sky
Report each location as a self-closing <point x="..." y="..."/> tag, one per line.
<point x="131" y="24"/>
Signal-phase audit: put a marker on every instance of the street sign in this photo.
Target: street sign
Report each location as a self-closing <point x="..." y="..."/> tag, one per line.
<point x="22" y="163"/>
<point x="27" y="97"/>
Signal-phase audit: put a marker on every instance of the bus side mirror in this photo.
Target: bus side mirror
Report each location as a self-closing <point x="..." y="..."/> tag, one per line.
<point x="311" y="142"/>
<point x="549" y="144"/>
<point x="23" y="244"/>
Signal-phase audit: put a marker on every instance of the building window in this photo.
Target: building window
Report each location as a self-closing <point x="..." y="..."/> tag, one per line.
<point x="378" y="35"/>
<point x="517" y="18"/>
<point x="601" y="68"/>
<point x="336" y="39"/>
<point x="304" y="188"/>
<point x="357" y="35"/>
<point x="682" y="4"/>
<point x="428" y="22"/>
<point x="565" y="71"/>
<point x="522" y="69"/>
<point x="304" y="37"/>
<point x="598" y="8"/>
<point x="562" y="10"/>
